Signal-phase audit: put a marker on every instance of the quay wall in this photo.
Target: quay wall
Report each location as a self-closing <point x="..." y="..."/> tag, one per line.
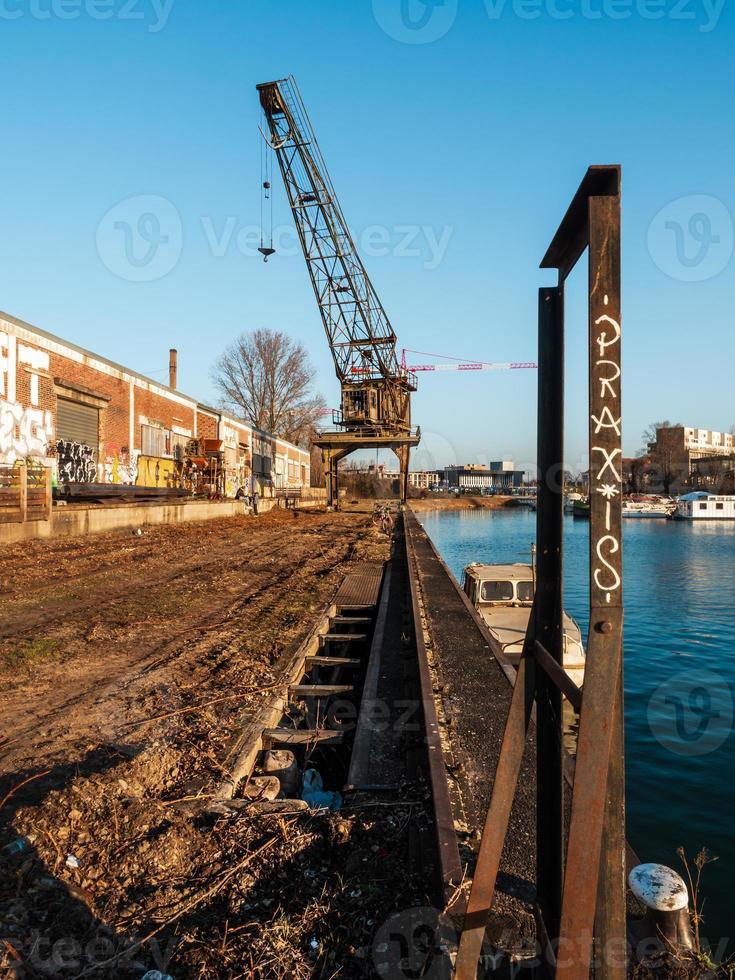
<point x="74" y="521"/>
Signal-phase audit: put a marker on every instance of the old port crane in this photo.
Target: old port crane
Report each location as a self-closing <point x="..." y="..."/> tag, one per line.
<point x="376" y="390"/>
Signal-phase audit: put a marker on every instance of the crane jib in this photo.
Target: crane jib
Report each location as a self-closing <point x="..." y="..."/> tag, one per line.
<point x="359" y="332"/>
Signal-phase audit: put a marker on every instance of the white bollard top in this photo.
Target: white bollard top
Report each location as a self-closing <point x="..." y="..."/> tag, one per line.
<point x="659" y="888"/>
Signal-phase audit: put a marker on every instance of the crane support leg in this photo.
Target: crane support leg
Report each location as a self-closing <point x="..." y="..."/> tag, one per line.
<point x="403" y="453"/>
<point x="331" y="458"/>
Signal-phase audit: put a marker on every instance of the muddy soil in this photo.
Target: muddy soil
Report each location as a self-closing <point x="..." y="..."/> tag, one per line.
<point x="128" y="665"/>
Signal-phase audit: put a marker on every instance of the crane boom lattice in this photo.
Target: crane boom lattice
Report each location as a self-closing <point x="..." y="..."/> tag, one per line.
<point x="376" y="389"/>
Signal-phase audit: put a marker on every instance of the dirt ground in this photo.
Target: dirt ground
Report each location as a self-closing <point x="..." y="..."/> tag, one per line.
<point x="128" y="664"/>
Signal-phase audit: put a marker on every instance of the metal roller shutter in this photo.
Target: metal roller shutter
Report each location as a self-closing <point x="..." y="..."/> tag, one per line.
<point x="78" y="423"/>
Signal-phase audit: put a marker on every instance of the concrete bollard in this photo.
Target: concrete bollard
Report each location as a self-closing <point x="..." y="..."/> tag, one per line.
<point x="664" y="894"/>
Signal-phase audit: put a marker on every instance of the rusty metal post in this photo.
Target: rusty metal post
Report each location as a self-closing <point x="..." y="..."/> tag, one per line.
<point x="594" y="884"/>
<point x="592" y="896"/>
<point x="48" y="484"/>
<point x="23" y="491"/>
<point x="549" y="607"/>
<point x="606" y="571"/>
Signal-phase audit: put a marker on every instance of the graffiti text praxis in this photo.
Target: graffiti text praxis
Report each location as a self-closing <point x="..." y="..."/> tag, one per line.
<point x="605" y="462"/>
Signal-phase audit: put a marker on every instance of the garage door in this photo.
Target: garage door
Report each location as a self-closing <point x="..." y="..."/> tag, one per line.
<point x="77" y="434"/>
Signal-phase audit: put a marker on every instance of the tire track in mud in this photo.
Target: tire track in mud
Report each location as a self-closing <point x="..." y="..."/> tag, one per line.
<point x="45" y="617"/>
<point x="277" y="556"/>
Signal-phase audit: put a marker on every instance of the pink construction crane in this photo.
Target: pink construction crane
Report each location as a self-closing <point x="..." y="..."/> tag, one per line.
<point x="462" y="365"/>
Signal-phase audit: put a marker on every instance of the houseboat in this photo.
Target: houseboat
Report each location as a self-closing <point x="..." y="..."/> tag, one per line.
<point x="702" y="506"/>
<point x="503" y="596"/>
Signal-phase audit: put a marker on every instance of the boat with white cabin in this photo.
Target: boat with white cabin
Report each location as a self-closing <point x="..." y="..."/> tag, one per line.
<point x="503" y="596"/>
<point x="703" y="506"/>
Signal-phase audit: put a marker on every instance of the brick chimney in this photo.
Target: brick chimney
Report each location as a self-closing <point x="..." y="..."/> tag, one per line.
<point x="172" y="363"/>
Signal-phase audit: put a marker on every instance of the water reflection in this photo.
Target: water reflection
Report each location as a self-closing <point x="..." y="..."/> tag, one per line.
<point x="679" y="671"/>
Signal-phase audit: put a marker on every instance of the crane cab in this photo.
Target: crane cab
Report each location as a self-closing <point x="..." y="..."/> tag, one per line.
<point x="361" y="405"/>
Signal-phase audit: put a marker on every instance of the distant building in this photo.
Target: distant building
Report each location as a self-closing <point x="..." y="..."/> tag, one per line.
<point x="678" y="450"/>
<point x="423" y="479"/>
<point x="500" y="475"/>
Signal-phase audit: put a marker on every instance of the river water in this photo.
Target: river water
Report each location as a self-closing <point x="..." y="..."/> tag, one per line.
<point x="679" y="581"/>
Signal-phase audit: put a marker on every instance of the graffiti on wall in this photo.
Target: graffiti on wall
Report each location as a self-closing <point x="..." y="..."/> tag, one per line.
<point x="25" y="430"/>
<point x="75" y="462"/>
<point x="120" y="466"/>
<point x="155" y="471"/>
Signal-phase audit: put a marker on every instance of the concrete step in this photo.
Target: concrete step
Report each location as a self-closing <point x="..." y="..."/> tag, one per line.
<point x="319" y="690"/>
<point x="301" y="736"/>
<point x="342" y="638"/>
<point x="333" y="661"/>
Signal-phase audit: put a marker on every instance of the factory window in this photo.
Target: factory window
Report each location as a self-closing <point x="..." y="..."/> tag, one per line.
<point x="152" y="440"/>
<point x="178" y="443"/>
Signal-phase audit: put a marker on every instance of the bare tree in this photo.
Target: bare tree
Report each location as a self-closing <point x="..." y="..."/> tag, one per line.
<point x="650" y="434"/>
<point x="266" y="377"/>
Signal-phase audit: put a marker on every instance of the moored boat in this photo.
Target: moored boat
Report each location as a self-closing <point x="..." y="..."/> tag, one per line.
<point x="702" y="506"/>
<point x="503" y="596"/>
<point x="661" y="507"/>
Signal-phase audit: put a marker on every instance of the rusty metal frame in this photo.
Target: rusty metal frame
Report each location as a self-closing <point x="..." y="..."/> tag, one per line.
<point x="580" y="869"/>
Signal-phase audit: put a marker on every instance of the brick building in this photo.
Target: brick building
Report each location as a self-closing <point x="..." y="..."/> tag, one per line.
<point x="678" y="449"/>
<point x="94" y="421"/>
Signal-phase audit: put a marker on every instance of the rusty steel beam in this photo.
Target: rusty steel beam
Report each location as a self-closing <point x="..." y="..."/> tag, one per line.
<point x="572" y="237"/>
<point x="594" y="883"/>
<point x="606" y="559"/>
<point x="558" y="676"/>
<point x="549" y="609"/>
<point x="581" y="893"/>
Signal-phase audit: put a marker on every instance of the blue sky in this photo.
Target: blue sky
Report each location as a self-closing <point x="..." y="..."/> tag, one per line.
<point x="454" y="147"/>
